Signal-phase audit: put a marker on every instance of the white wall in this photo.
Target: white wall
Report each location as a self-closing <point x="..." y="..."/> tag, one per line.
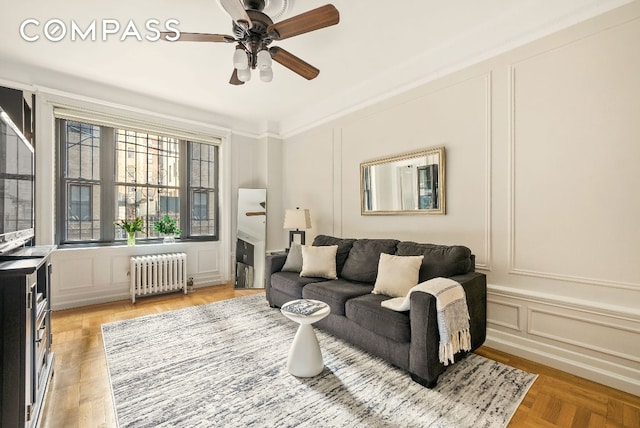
<point x="310" y="175"/>
<point x="276" y="239"/>
<point x="542" y="183"/>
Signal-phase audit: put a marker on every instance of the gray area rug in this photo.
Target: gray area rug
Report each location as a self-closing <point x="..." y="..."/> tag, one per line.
<point x="224" y="365"/>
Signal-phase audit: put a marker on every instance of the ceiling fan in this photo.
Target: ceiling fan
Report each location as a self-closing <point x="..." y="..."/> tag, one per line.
<point x="254" y="31"/>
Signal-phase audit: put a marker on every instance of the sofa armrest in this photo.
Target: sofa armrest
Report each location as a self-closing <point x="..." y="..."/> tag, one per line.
<point x="475" y="287"/>
<point x="273" y="264"/>
<point x="424" y="362"/>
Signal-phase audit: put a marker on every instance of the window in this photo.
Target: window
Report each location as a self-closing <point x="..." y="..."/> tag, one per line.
<point x="203" y="179"/>
<point x="109" y="173"/>
<point x="143" y="185"/>
<point x="82" y="143"/>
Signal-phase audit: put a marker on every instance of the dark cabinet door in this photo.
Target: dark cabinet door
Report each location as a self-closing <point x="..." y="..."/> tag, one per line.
<point x="244" y="252"/>
<point x="244" y="276"/>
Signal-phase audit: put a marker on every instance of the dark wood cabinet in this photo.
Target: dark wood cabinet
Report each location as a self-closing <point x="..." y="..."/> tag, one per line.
<point x="26" y="360"/>
<point x="245" y="255"/>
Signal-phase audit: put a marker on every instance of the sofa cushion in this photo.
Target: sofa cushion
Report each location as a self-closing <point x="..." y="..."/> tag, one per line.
<point x="397" y="274"/>
<point x="291" y="283"/>
<point x="344" y="246"/>
<point x="319" y="261"/>
<point x="362" y="263"/>
<point x="439" y="260"/>
<point x="294" y="259"/>
<point x="367" y="313"/>
<point x="335" y="293"/>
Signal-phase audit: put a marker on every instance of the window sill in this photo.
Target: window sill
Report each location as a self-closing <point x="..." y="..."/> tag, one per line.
<point x="139" y="243"/>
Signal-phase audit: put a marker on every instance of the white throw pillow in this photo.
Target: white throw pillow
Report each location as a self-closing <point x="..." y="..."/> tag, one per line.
<point x="294" y="259"/>
<point x="319" y="261"/>
<point x="397" y="274"/>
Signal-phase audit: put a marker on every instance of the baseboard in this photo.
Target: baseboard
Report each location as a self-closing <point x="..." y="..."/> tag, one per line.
<point x="597" y="370"/>
<point x="76" y="301"/>
<point x="92" y="295"/>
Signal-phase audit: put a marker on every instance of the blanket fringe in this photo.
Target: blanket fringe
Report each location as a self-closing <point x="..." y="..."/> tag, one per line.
<point x="460" y="341"/>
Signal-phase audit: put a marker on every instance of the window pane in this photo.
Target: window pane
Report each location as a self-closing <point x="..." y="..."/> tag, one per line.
<point x="203" y="221"/>
<point x="24" y="205"/>
<point x="203" y="165"/>
<point x="80" y="202"/>
<point x="202" y="182"/>
<point x="82" y="177"/>
<point x="200" y="206"/>
<point x="147" y="172"/>
<point x="83" y="151"/>
<point x="17" y="206"/>
<point x="83" y="202"/>
<point x="125" y="207"/>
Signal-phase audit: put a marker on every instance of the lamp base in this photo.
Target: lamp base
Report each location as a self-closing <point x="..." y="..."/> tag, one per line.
<point x="292" y="234"/>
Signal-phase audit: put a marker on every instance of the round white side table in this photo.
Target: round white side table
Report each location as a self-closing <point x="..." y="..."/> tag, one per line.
<point x="305" y="357"/>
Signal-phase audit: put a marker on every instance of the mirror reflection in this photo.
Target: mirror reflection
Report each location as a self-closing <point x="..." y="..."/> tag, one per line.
<point x="411" y="183"/>
<point x="251" y="238"/>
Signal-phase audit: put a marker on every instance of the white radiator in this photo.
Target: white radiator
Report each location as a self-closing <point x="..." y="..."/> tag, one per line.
<point x="158" y="273"/>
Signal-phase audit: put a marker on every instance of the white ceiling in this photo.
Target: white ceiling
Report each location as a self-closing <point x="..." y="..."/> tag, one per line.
<point x="378" y="49"/>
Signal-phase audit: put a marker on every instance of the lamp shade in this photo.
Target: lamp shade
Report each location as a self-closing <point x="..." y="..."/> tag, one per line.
<point x="240" y="59"/>
<point x="244" y="75"/>
<point x="264" y="59"/>
<point x="297" y="219"/>
<point x="266" y="74"/>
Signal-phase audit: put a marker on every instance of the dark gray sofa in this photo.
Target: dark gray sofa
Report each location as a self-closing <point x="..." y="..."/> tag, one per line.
<point x="408" y="340"/>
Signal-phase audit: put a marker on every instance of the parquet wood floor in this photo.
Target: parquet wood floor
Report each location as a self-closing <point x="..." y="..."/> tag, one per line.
<point x="80" y="395"/>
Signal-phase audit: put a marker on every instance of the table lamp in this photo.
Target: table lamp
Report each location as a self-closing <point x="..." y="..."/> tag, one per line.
<point x="297" y="219"/>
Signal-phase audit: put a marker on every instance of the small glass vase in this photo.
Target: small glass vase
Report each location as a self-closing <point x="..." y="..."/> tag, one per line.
<point x="131" y="239"/>
<point x="169" y="239"/>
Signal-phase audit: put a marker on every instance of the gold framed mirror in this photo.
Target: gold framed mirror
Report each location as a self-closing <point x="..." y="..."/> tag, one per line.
<point x="410" y="183"/>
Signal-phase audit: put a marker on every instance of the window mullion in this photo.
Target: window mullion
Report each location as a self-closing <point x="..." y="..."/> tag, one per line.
<point x="61" y="126"/>
<point x="107" y="189"/>
<point x="216" y="183"/>
<point x="185" y="194"/>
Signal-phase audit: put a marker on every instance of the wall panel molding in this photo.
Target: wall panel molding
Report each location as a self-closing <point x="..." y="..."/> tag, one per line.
<point x="588" y="340"/>
<point x="597" y="370"/>
<point x="75" y="273"/>
<point x="336" y="167"/>
<point x="488" y="142"/>
<point x="508" y="293"/>
<point x="600" y="37"/>
<point x="571" y="278"/>
<point x="533" y="315"/>
<point x="92" y="275"/>
<point x="510" y="312"/>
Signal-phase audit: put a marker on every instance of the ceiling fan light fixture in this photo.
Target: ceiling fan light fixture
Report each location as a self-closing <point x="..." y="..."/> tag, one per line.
<point x="266" y="74"/>
<point x="244" y="75"/>
<point x="254" y="30"/>
<point x="264" y="59"/>
<point x="240" y="59"/>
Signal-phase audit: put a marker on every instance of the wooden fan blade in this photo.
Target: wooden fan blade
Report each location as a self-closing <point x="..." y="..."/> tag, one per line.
<point x="293" y="63"/>
<point x="234" y="78"/>
<point x="235" y="9"/>
<point x="315" y="19"/>
<point x="254" y="213"/>
<point x="200" y="37"/>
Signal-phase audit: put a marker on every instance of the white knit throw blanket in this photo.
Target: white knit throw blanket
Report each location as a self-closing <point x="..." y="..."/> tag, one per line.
<point x="453" y="314"/>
